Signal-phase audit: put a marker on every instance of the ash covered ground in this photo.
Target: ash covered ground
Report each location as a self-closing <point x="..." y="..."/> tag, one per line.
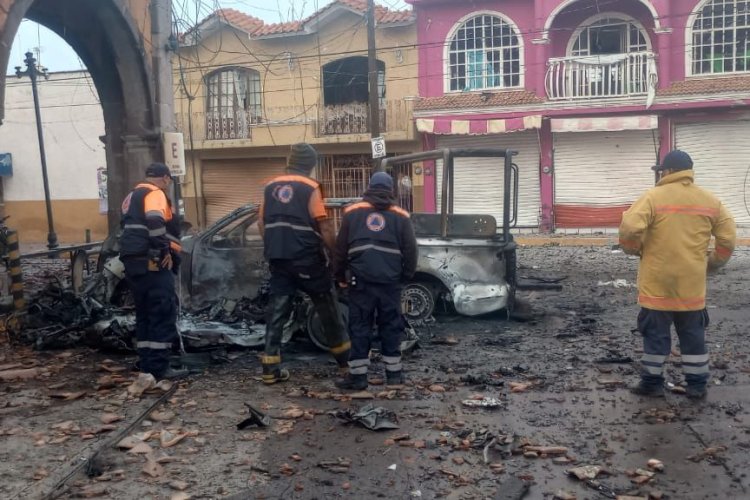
<point x="558" y="383"/>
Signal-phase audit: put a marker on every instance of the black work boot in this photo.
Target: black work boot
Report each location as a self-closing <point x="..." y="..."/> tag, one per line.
<point x="174" y="374"/>
<point x="696" y="391"/>
<point x="272" y="374"/>
<point x="642" y="389"/>
<point x="394" y="378"/>
<point x="352" y="382"/>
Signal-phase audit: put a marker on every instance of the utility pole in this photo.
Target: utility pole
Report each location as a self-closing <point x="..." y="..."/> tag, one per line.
<point x="33" y="72"/>
<point x="163" y="45"/>
<point x="372" y="68"/>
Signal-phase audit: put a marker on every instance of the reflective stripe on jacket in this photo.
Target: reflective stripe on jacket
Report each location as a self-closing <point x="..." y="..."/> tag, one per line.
<point x="374" y="246"/>
<point x="670" y="227"/>
<point x="289" y="230"/>
<point x="148" y="223"/>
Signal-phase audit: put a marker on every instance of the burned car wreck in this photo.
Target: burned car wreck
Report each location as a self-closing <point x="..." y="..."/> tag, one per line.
<point x="467" y="263"/>
<point x="463" y="259"/>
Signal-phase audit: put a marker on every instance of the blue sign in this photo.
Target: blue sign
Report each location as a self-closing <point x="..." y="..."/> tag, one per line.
<point x="6" y="164"/>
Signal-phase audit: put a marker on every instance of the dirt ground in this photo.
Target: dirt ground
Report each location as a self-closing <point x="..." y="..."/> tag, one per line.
<point x="561" y="381"/>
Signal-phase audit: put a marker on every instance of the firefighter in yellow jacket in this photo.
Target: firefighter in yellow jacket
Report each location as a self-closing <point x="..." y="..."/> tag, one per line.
<point x="670" y="228"/>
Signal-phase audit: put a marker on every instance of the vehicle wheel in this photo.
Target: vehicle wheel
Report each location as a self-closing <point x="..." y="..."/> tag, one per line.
<point x="315" y="327"/>
<point x="417" y="301"/>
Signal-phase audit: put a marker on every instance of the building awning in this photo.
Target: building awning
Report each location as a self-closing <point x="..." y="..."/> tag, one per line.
<point x="449" y="126"/>
<point x="606" y="124"/>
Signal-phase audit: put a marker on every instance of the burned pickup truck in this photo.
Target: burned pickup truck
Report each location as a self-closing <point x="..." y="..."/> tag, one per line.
<point x="464" y="260"/>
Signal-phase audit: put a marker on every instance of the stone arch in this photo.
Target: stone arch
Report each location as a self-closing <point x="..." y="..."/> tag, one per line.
<point x="566" y="3"/>
<point x="107" y="38"/>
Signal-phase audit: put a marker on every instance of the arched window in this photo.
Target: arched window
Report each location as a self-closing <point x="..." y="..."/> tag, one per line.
<point x="234" y="93"/>
<point x="485" y="53"/>
<point x="721" y="38"/>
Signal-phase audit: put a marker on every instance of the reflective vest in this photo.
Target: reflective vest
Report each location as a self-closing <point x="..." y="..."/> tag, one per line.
<point x="148" y="223"/>
<point x="374" y="246"/>
<point x="290" y="232"/>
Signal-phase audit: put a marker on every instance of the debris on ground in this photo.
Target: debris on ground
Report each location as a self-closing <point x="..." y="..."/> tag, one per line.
<point x="370" y="417"/>
<point x="482" y="402"/>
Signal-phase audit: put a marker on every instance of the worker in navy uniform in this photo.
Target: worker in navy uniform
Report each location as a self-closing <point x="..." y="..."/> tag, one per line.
<point x="296" y="232"/>
<point x="377" y="251"/>
<point x="150" y="250"/>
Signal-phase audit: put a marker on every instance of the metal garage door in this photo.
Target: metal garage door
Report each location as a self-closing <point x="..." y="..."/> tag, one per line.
<point x="479" y="182"/>
<point x="598" y="175"/>
<point x="228" y="184"/>
<point x="721" y="154"/>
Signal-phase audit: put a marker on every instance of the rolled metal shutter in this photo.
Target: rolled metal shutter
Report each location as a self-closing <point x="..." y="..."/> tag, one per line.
<point x="598" y="175"/>
<point x="721" y="157"/>
<point x="479" y="181"/>
<point x="228" y="184"/>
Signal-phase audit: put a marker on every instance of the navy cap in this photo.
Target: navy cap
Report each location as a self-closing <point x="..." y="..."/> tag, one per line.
<point x="158" y="170"/>
<point x="675" y="160"/>
<point x="381" y="180"/>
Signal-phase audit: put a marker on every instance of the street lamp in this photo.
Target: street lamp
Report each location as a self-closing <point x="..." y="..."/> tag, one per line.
<point x="33" y="72"/>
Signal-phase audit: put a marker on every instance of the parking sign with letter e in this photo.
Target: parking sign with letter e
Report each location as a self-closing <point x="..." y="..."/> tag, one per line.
<point x="378" y="147"/>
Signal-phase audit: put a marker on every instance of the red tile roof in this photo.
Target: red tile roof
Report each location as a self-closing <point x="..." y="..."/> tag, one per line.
<point x="256" y="27"/>
<point x="238" y="19"/>
<point x="470" y="100"/>
<point x="695" y="86"/>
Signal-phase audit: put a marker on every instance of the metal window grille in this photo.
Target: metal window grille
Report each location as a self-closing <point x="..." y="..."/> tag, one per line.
<point x="347" y="176"/>
<point x="233" y="103"/>
<point x="485" y="53"/>
<point x="721" y="38"/>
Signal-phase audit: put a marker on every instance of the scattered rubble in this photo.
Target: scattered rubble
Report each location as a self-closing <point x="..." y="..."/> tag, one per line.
<point x="369" y="417"/>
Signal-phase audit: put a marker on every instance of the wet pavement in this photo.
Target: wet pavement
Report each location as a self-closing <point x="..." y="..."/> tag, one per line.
<point x="560" y="379"/>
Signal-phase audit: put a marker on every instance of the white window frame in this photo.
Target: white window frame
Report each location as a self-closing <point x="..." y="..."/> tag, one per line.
<point x="696" y="12"/>
<point x="254" y="109"/>
<point x="624" y="18"/>
<point x="447" y="50"/>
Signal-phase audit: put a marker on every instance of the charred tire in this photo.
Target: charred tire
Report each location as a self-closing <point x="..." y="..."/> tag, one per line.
<point x="417" y="301"/>
<point x="315" y="327"/>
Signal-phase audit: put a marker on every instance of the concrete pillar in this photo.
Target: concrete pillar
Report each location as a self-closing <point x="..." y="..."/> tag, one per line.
<point x="666" y="136"/>
<point x="546" y="177"/>
<point x="430" y="202"/>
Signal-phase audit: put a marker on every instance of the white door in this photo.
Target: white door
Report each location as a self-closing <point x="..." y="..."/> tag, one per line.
<point x="721" y="157"/>
<point x="478" y="182"/>
<point x="598" y="175"/>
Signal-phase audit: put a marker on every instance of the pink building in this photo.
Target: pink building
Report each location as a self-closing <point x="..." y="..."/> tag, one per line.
<point x="591" y="93"/>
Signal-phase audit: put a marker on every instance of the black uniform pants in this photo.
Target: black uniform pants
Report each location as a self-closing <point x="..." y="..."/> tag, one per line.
<point x="371" y="303"/>
<point x="286" y="279"/>
<point x="655" y="326"/>
<point x="155" y="317"/>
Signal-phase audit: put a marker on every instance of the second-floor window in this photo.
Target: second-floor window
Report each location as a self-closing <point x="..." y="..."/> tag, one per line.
<point x="721" y="38"/>
<point x="609" y="35"/>
<point x="484" y="53"/>
<point x="234" y="93"/>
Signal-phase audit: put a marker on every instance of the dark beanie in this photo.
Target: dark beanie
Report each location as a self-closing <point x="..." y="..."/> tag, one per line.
<point x="381" y="180"/>
<point x="675" y="160"/>
<point x="302" y="157"/>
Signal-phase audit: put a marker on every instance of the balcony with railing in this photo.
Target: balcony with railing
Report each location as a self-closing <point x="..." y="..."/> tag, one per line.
<point x="226" y="125"/>
<point x="354" y="118"/>
<point x="601" y="76"/>
<point x="285" y="124"/>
